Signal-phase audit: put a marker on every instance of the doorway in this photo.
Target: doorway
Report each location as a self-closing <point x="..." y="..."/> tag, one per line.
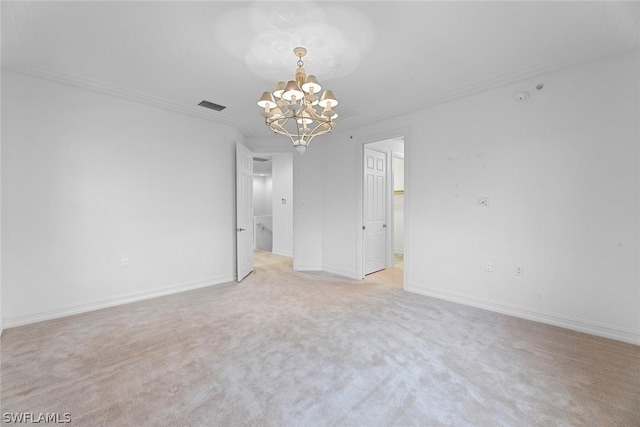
<point x="383" y="203"/>
<point x="264" y="207"/>
<point x="262" y="203"/>
<point x="273" y="208"/>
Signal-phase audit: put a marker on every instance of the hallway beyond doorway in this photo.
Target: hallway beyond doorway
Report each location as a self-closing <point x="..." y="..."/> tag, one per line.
<point x="393" y="276"/>
<point x="262" y="258"/>
<point x="383" y="216"/>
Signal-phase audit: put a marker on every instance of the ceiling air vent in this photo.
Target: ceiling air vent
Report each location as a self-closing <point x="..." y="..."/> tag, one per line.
<point x="211" y="105"/>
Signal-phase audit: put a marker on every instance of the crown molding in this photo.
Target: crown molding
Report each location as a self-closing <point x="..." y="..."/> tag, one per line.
<point x="120" y="92"/>
<point x="480" y="86"/>
<point x="347" y="123"/>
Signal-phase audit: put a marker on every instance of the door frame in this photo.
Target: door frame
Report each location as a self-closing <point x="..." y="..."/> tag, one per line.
<point x="362" y="141"/>
<point x="393" y="213"/>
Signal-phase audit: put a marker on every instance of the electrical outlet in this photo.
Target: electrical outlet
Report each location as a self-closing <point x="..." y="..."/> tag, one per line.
<point x="483" y="201"/>
<point x="488" y="267"/>
<point x="125" y="263"/>
<point x="519" y="271"/>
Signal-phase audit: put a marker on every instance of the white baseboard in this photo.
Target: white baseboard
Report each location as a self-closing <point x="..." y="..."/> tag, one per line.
<point x="521" y="312"/>
<point x="340" y="272"/>
<point x="283" y="253"/>
<point x="306" y="267"/>
<point x="25" y="319"/>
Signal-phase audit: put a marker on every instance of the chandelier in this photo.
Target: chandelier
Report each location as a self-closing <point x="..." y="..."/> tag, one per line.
<point x="298" y="112"/>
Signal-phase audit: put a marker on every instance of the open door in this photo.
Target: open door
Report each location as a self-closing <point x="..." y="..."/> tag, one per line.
<point x="375" y="210"/>
<point x="244" y="211"/>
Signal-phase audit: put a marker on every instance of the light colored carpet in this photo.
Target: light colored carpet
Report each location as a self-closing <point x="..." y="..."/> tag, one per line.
<point x="290" y="349"/>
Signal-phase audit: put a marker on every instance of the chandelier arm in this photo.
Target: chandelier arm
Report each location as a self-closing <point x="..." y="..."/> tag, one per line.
<point x="283" y="131"/>
<point x="280" y="123"/>
<point x="317" y="116"/>
<point x="313" y="135"/>
<point x="313" y="112"/>
<point x="279" y="128"/>
<point x="322" y="131"/>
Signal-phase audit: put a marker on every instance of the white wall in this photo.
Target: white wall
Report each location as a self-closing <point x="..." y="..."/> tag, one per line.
<point x="282" y="170"/>
<point x="308" y="208"/>
<point x="89" y="179"/>
<point x="340" y="220"/>
<point x="1" y="133"/>
<point x="562" y="175"/>
<point x="262" y="195"/>
<point x="262" y="211"/>
<point x="263" y="234"/>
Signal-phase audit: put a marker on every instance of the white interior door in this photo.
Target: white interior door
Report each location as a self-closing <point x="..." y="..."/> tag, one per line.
<point x="375" y="210"/>
<point x="244" y="211"/>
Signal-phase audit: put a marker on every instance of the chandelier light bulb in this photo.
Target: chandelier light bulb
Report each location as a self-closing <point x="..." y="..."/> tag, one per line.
<point x="311" y="85"/>
<point x="328" y="99"/>
<point x="292" y="91"/>
<point x="279" y="90"/>
<point x="266" y="100"/>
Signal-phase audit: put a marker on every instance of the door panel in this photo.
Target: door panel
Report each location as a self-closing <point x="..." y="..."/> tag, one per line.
<point x="375" y="182"/>
<point x="244" y="211"/>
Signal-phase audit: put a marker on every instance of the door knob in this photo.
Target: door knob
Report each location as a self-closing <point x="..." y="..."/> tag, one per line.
<point x="240" y="229"/>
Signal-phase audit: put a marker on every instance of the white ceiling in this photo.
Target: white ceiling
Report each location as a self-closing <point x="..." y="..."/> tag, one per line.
<point x="262" y="168"/>
<point x="390" y="57"/>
